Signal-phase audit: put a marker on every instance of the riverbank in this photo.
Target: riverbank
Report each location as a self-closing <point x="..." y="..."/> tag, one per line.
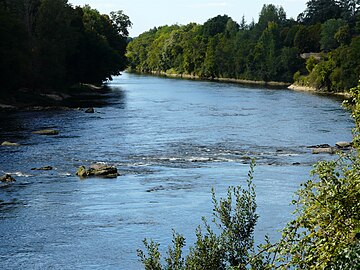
<point x="303" y="88"/>
<point x="289" y="86"/>
<point x="82" y="95"/>
<point x="217" y="79"/>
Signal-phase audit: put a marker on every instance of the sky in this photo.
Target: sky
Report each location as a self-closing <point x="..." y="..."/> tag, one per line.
<point x="146" y="14"/>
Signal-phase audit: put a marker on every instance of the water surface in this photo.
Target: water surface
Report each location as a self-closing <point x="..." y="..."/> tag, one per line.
<point x="172" y="140"/>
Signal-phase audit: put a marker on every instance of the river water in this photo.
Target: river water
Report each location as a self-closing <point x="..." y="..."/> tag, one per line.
<point x="172" y="141"/>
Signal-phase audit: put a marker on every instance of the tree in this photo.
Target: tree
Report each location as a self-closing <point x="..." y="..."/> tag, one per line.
<point x="101" y="50"/>
<point x="347" y="71"/>
<point x="329" y="29"/>
<point x="319" y="11"/>
<point x="215" y="25"/>
<point x="265" y="54"/>
<point x="289" y="62"/>
<point x="211" y="64"/>
<point x="55" y="41"/>
<point x="48" y="44"/>
<point x="14" y="51"/>
<point x="121" y="22"/>
<point x="307" y="38"/>
<point x="270" y="13"/>
<point x="342" y="36"/>
<point x="194" y="49"/>
<point x="349" y="8"/>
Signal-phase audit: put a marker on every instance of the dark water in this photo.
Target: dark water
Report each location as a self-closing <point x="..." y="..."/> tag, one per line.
<point x="172" y="140"/>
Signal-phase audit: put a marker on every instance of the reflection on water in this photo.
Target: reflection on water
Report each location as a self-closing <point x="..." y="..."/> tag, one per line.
<point x="172" y="140"/>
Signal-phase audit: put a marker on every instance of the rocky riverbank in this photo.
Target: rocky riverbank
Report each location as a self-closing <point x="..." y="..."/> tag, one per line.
<point x="83" y="95"/>
<point x="304" y="88"/>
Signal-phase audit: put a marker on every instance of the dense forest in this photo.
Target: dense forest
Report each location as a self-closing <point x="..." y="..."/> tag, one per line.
<point x="269" y="50"/>
<point x="49" y="44"/>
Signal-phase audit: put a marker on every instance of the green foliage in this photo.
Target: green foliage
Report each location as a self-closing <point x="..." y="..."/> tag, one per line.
<point x="235" y="217"/>
<point x="319" y="11"/>
<point x="55" y="41"/>
<point x="49" y="44"/>
<point x="325" y="233"/>
<point x="219" y="48"/>
<point x="307" y="38"/>
<point x="267" y="50"/>
<point x="328" y="31"/>
<point x="311" y="63"/>
<point x="327" y="215"/>
<point x="236" y="221"/>
<point x="320" y="77"/>
<point x="215" y="25"/>
<point x="121" y="22"/>
<point x="152" y="261"/>
<point x="354" y="105"/>
<point x="264" y="53"/>
<point x="175" y="260"/>
<point x="289" y="62"/>
<point x="337" y="71"/>
<point x="270" y="13"/>
<point x="343" y="36"/>
<point x="14" y="53"/>
<point x="207" y="253"/>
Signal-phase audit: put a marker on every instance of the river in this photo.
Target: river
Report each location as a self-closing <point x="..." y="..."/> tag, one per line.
<point x="172" y="141"/>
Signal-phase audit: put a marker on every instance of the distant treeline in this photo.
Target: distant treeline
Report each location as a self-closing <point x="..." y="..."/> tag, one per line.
<point x="49" y="44"/>
<point x="268" y="50"/>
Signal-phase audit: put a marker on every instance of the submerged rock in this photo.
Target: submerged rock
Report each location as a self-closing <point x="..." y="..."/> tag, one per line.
<point x="46" y="168"/>
<point x="325" y="145"/>
<point x="90" y="110"/>
<point x="47" y="132"/>
<point x="327" y="150"/>
<point x="6" y="143"/>
<point x="343" y="145"/>
<point x="7" y="178"/>
<point x="99" y="170"/>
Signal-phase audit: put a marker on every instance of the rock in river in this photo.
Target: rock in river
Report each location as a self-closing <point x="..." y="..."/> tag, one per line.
<point x="90" y="110"/>
<point x="327" y="150"/>
<point x="343" y="145"/>
<point x="6" y="143"/>
<point x="99" y="170"/>
<point x="7" y="178"/>
<point x="325" y="145"/>
<point x="47" y="132"/>
<point x="46" y="168"/>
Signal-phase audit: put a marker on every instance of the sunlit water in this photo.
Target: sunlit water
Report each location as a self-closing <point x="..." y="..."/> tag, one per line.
<point x="172" y="140"/>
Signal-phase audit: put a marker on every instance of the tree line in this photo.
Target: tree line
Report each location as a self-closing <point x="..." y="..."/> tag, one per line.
<point x="50" y="44"/>
<point x="268" y="50"/>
